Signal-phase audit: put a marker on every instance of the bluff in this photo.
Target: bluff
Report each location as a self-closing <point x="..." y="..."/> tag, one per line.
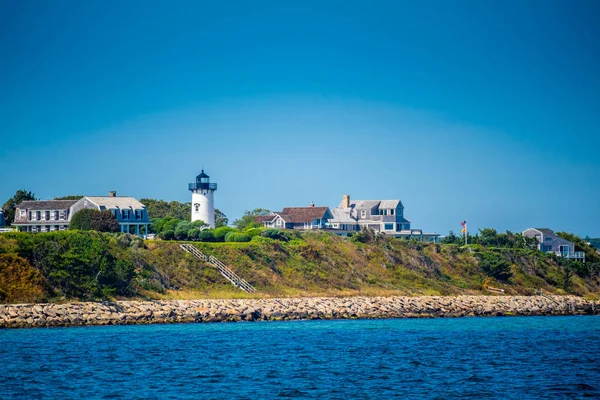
<point x="78" y="265"/>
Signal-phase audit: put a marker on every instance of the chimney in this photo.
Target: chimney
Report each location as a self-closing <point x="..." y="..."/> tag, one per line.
<point x="112" y="193"/>
<point x="346" y="201"/>
<point x="312" y="204"/>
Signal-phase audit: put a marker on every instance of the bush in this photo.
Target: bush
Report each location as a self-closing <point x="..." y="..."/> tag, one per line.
<point x="237" y="237"/>
<point x="494" y="265"/>
<point x="82" y="220"/>
<point x="104" y="221"/>
<point x="219" y="233"/>
<point x="228" y="235"/>
<point x="181" y="233"/>
<point x="194" y="234"/>
<point x="206" y="236"/>
<point x="276" y="234"/>
<point x="167" y="235"/>
<point x="253" y="231"/>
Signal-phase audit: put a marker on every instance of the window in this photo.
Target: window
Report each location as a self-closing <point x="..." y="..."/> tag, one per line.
<point x="363" y="213"/>
<point x="23" y="213"/>
<point x="197" y="207"/>
<point x="56" y="227"/>
<point x="125" y="214"/>
<point x="56" y="214"/>
<point x="38" y="215"/>
<point x="392" y="211"/>
<point x="138" y="214"/>
<point x="389" y="227"/>
<point x="30" y="215"/>
<point x="47" y="216"/>
<point x="278" y="222"/>
<point x="62" y="215"/>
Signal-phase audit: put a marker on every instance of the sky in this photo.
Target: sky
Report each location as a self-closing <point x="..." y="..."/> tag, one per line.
<point x="487" y="111"/>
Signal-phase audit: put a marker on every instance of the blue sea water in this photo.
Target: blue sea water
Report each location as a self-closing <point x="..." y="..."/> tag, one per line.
<point x="515" y="357"/>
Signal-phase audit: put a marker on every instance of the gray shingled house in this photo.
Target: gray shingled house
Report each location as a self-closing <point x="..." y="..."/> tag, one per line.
<point x="548" y="242"/>
<point x="43" y="215"/>
<point x="383" y="216"/>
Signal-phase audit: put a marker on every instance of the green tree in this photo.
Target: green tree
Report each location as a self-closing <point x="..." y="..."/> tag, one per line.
<point x="104" y="221"/>
<point x="11" y="204"/>
<point x="82" y="220"/>
<point x="248" y="219"/>
<point x="220" y="218"/>
<point x="162" y="209"/>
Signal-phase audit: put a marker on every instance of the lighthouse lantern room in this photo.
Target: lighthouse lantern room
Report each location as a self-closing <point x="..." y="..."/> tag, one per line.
<point x="203" y="206"/>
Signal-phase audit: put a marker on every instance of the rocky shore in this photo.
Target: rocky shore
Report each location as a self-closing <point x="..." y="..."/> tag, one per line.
<point x="179" y="311"/>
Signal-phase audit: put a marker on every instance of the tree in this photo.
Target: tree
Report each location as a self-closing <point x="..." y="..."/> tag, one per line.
<point x="162" y="209"/>
<point x="82" y="220"/>
<point x="248" y="220"/>
<point x="220" y="218"/>
<point x="104" y="221"/>
<point x="11" y="204"/>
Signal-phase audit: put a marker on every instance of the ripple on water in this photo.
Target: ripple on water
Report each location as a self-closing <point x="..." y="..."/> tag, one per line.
<point x="439" y="358"/>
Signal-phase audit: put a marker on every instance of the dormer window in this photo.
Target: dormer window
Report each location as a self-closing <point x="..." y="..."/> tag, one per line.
<point x="392" y="211"/>
<point x="363" y="213"/>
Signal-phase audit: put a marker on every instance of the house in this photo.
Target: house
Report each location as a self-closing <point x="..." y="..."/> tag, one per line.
<point x="304" y="218"/>
<point x="43" y="215"/>
<point x="383" y="216"/>
<point x="548" y="242"/>
<point x="130" y="213"/>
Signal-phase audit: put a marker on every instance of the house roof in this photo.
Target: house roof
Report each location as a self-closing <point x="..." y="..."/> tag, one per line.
<point x="45" y="205"/>
<point x="110" y="202"/>
<point x="389" y="204"/>
<point x="304" y="214"/>
<point x="364" y="204"/>
<point x="342" y="215"/>
<point x="265" y="218"/>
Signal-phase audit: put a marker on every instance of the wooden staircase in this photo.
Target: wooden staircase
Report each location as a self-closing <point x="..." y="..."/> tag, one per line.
<point x="223" y="269"/>
<point x="546" y="294"/>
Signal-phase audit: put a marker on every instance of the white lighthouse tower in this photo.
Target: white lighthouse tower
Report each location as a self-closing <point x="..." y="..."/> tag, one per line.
<point x="203" y="205"/>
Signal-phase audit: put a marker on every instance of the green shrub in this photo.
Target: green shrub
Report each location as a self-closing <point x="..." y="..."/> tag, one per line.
<point x="206" y="236"/>
<point x="228" y="236"/>
<point x="219" y="233"/>
<point x="181" y="233"/>
<point x="82" y="220"/>
<point x="194" y="234"/>
<point x="495" y="265"/>
<point x="237" y="237"/>
<point x="167" y="235"/>
<point x="253" y="231"/>
<point x="276" y="234"/>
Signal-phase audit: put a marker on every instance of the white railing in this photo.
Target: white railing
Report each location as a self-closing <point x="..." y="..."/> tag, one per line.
<point x="231" y="276"/>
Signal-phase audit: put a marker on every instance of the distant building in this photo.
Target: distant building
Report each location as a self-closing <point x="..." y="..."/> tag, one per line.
<point x="129" y="213"/>
<point x="2" y="219"/>
<point x="203" y="204"/>
<point x="43" y="215"/>
<point x="383" y="216"/>
<point x="548" y="242"/>
<point x="303" y="218"/>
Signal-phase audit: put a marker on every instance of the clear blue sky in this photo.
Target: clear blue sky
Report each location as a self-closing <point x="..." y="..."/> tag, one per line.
<point x="488" y="110"/>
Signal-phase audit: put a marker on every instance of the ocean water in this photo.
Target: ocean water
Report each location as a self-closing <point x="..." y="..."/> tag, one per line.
<point x="514" y="357"/>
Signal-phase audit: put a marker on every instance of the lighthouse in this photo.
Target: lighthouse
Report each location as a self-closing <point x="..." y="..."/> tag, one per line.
<point x="203" y="205"/>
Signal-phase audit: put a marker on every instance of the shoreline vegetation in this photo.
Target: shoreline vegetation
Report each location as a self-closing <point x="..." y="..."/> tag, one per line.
<point x="76" y="265"/>
<point x="285" y="309"/>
